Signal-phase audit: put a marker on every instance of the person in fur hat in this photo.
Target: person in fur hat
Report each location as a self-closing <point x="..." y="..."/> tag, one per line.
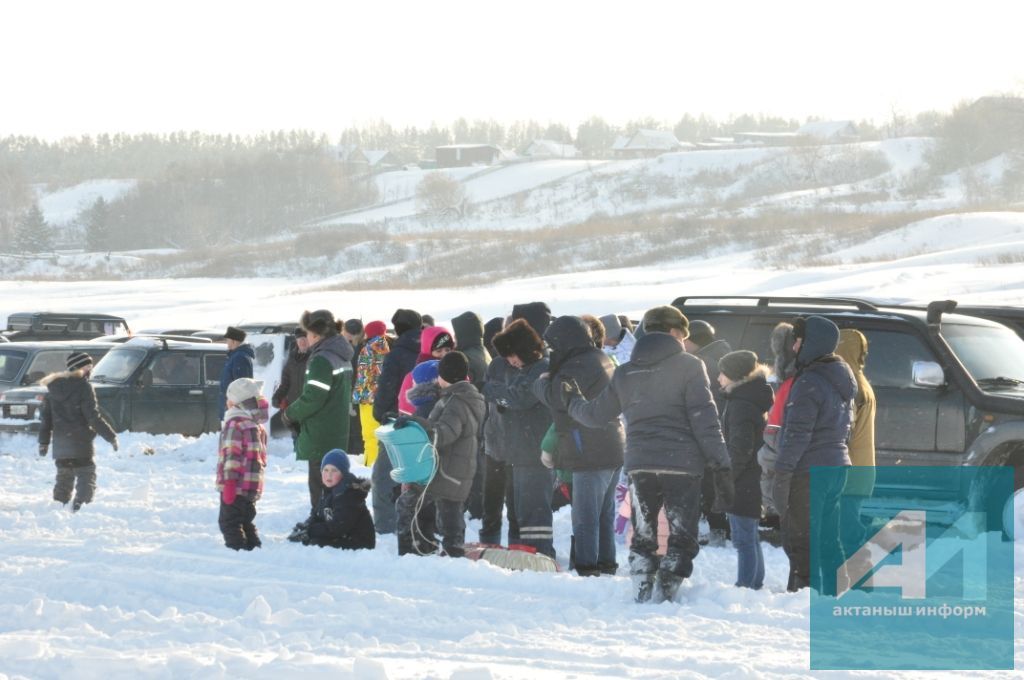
<point x="241" y="460"/>
<point x="341" y="518"/>
<point x="524" y="421"/>
<point x="746" y="398"/>
<point x="239" y="363"/>
<point x="672" y="435"/>
<point x="815" y="432"/>
<point x="322" y="409"/>
<point x="71" y="419"/>
<point x="783" y="372"/>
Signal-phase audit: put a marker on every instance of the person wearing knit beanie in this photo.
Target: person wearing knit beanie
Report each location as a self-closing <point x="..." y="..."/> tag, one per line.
<point x="375" y="329"/>
<point x="338" y="459"/>
<point x="405" y="320"/>
<point x="453" y="368"/>
<point x="78" y="360"/>
<point x="738" y="365"/>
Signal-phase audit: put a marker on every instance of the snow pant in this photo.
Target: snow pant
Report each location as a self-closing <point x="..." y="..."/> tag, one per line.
<point x="315" y="481"/>
<point x="355" y="433"/>
<point x="236" y="524"/>
<point x="451" y="524"/>
<point x="415" y="524"/>
<point x="593" y="520"/>
<point x="368" y="424"/>
<point x="855" y="532"/>
<point x="820" y="548"/>
<point x="78" y="474"/>
<point x="718" y="523"/>
<point x="497" y="494"/>
<point x="385" y="493"/>
<point x="475" y="502"/>
<point x="750" y="558"/>
<point x="679" y="494"/>
<point x="531" y="487"/>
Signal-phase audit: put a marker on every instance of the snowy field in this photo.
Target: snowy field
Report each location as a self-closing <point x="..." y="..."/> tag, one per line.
<point x="138" y="584"/>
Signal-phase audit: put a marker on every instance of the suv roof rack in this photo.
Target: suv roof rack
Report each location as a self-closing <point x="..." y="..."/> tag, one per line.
<point x="766" y="300"/>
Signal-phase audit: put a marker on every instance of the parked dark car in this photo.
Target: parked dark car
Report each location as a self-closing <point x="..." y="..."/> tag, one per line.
<point x="949" y="387"/>
<point x="144" y="385"/>
<point x="22" y="326"/>
<point x="25" y="363"/>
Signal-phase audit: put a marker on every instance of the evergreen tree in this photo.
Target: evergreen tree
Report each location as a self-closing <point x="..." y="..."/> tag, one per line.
<point x="97" y="226"/>
<point x="32" y="234"/>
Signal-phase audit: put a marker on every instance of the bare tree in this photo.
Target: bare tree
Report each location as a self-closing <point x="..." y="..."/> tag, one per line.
<point x="438" y="195"/>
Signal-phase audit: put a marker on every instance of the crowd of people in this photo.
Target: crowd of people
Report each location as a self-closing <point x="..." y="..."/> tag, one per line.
<point x="660" y="425"/>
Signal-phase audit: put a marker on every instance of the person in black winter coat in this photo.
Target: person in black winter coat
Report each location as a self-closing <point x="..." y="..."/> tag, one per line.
<point x="747" y="397"/>
<point x="524" y="421"/>
<point x="469" y="339"/>
<point x="703" y="345"/>
<point x="341" y="518"/>
<point x="672" y="434"/>
<point x="71" y="419"/>
<point x="593" y="455"/>
<point x="815" y="431"/>
<point x="397" y="364"/>
<point x="238" y="365"/>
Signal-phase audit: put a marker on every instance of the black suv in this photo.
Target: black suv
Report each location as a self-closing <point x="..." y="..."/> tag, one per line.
<point x="62" y="326"/>
<point x="147" y="384"/>
<point x="949" y="387"/>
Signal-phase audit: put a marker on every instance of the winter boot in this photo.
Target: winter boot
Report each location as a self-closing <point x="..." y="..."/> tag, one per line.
<point x="643" y="588"/>
<point x="588" y="570"/>
<point x="608" y="568"/>
<point x="669" y="584"/>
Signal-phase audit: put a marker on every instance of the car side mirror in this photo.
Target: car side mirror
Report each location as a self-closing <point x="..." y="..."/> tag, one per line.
<point x="928" y="374"/>
<point x="146" y="379"/>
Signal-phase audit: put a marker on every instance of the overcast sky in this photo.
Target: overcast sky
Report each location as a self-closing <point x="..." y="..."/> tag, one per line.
<point x="72" y="67"/>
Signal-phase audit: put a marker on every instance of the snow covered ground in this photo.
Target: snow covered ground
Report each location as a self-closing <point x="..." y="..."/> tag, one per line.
<point x="139" y="585"/>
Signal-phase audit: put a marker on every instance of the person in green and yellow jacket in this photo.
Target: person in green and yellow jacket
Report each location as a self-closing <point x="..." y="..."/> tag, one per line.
<point x="321" y="413"/>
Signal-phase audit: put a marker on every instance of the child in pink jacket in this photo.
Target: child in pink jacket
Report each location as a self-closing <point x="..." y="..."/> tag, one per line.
<point x="241" y="460"/>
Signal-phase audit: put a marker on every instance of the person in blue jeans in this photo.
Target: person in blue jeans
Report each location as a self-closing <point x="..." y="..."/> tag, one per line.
<point x="747" y="399"/>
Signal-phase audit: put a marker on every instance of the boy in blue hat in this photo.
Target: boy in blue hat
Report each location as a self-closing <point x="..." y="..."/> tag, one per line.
<point x="341" y="518"/>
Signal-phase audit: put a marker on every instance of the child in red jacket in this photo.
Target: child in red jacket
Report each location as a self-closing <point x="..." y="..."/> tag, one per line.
<point x="241" y="462"/>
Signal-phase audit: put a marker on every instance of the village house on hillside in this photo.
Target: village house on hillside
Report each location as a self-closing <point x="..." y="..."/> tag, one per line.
<point x="830" y="131"/>
<point x="546" y="148"/>
<point x="359" y="160"/>
<point x="458" y="155"/>
<point x="647" y="143"/>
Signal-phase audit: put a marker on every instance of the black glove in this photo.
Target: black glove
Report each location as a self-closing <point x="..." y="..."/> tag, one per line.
<point x="725" y="490"/>
<point x="402" y="421"/>
<point x="569" y="390"/>
<point x="42" y="449"/>
<point x="300" y="534"/>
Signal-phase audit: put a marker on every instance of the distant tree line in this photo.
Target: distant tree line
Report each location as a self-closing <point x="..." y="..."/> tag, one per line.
<point x="203" y="189"/>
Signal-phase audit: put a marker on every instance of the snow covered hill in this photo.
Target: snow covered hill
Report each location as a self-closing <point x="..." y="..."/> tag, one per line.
<point x="786" y="207"/>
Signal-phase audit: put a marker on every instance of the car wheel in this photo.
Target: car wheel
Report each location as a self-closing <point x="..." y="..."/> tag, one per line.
<point x="1013" y="509"/>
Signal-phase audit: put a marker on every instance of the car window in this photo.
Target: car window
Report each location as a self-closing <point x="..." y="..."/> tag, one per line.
<point x="891" y="357"/>
<point x="45" y="363"/>
<point x="987" y="351"/>
<point x="11" y="362"/>
<point x="118" y="365"/>
<point x="175" y="368"/>
<point x="113" y="328"/>
<point x="214" y="367"/>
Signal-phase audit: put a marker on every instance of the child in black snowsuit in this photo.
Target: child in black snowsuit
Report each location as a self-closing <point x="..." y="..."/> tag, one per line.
<point x="341" y="518"/>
